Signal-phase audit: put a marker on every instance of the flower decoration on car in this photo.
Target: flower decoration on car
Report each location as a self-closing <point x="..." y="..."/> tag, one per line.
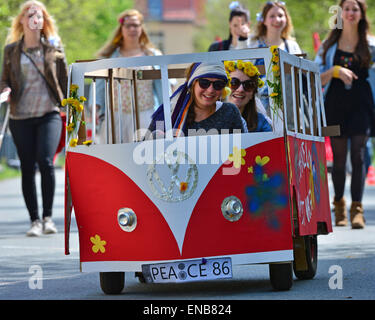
<point x="274" y="80"/>
<point x="98" y="244"/>
<point x="260" y="161"/>
<point x="75" y="106"/>
<point x="266" y="196"/>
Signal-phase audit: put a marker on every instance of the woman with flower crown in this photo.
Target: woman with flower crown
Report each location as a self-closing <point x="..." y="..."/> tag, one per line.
<point x="244" y="83"/>
<point x="274" y="28"/>
<point x="35" y="73"/>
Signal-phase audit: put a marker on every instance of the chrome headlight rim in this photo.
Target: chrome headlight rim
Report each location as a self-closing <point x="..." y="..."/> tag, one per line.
<point x="127" y="219"/>
<point x="232" y="208"/>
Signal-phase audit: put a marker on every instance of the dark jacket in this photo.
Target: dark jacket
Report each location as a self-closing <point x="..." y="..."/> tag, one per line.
<point x="223" y="45"/>
<point x="220" y="45"/>
<point x="55" y="72"/>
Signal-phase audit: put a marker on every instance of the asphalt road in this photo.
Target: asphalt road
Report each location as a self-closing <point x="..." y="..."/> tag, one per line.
<point x="37" y="268"/>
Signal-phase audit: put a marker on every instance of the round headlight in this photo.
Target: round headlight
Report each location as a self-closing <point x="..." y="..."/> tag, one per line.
<point x="232" y="208"/>
<point x="127" y="219"/>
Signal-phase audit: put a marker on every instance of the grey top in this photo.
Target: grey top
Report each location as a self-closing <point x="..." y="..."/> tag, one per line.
<point x="227" y="117"/>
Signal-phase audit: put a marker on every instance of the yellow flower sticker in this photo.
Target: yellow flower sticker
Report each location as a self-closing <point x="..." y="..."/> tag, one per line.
<point x="237" y="157"/>
<point x="262" y="161"/>
<point x="98" y="244"/>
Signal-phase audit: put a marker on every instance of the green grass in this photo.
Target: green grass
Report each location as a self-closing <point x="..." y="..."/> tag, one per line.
<point x="7" y="172"/>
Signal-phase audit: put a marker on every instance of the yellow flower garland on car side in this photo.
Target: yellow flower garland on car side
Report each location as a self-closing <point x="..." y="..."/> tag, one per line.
<point x="275" y="84"/>
<point x="75" y="107"/>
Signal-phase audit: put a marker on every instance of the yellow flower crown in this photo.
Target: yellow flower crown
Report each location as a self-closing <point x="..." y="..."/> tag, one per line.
<point x="246" y="67"/>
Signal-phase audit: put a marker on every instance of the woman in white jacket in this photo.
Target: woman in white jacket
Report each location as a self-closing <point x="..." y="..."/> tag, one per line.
<point x="274" y="28"/>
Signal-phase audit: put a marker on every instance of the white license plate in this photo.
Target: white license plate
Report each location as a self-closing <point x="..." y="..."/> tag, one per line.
<point x="188" y="270"/>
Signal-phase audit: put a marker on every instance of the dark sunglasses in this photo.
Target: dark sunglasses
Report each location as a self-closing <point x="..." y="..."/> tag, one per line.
<point x="247" y="85"/>
<point x="217" y="84"/>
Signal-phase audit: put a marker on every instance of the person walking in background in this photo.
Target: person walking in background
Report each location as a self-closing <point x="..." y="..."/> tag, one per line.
<point x="274" y="28"/>
<point x="35" y="73"/>
<point x="130" y="40"/>
<point x="239" y="28"/>
<point x="244" y="83"/>
<point x="345" y="58"/>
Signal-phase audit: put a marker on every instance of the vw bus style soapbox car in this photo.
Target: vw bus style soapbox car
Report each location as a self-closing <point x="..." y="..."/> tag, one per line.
<point x="190" y="208"/>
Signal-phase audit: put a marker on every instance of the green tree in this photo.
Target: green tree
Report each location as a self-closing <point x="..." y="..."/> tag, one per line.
<point x="84" y="25"/>
<point x="307" y="16"/>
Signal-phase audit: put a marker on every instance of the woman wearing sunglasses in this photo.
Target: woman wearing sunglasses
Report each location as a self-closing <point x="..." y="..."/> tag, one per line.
<point x="196" y="104"/>
<point x="244" y="83"/>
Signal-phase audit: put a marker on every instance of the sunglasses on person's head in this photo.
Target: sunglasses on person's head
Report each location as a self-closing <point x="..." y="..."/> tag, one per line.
<point x="217" y="84"/>
<point x="247" y="85"/>
<point x="273" y="2"/>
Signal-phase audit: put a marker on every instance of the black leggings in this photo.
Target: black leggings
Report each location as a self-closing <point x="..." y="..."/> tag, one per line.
<point x="36" y="140"/>
<point x="357" y="156"/>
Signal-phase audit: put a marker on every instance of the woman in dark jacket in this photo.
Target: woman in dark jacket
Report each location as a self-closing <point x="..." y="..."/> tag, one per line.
<point x="35" y="73"/>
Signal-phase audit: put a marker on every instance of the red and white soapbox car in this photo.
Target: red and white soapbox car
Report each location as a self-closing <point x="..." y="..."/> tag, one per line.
<point x="190" y="208"/>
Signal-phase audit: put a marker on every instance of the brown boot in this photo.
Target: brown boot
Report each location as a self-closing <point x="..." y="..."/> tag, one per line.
<point x="356" y="215"/>
<point x="341" y="214"/>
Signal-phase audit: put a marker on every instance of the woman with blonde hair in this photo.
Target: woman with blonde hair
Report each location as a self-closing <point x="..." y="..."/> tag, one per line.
<point x="130" y="40"/>
<point x="49" y="30"/>
<point x="35" y="74"/>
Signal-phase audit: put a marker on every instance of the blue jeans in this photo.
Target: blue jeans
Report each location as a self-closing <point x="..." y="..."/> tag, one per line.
<point x="36" y="140"/>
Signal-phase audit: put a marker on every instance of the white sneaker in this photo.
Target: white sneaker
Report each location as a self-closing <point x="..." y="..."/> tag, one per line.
<point x="35" y="230"/>
<point x="49" y="226"/>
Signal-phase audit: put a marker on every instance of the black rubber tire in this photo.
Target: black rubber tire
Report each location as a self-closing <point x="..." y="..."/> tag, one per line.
<point x="281" y="276"/>
<point x="311" y="252"/>
<point x="112" y="282"/>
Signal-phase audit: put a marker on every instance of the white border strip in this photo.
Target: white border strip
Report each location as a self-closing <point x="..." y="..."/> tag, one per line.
<point x="305" y="136"/>
<point x="239" y="259"/>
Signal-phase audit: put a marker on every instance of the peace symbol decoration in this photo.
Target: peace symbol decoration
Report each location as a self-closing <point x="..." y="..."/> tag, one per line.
<point x="179" y="186"/>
